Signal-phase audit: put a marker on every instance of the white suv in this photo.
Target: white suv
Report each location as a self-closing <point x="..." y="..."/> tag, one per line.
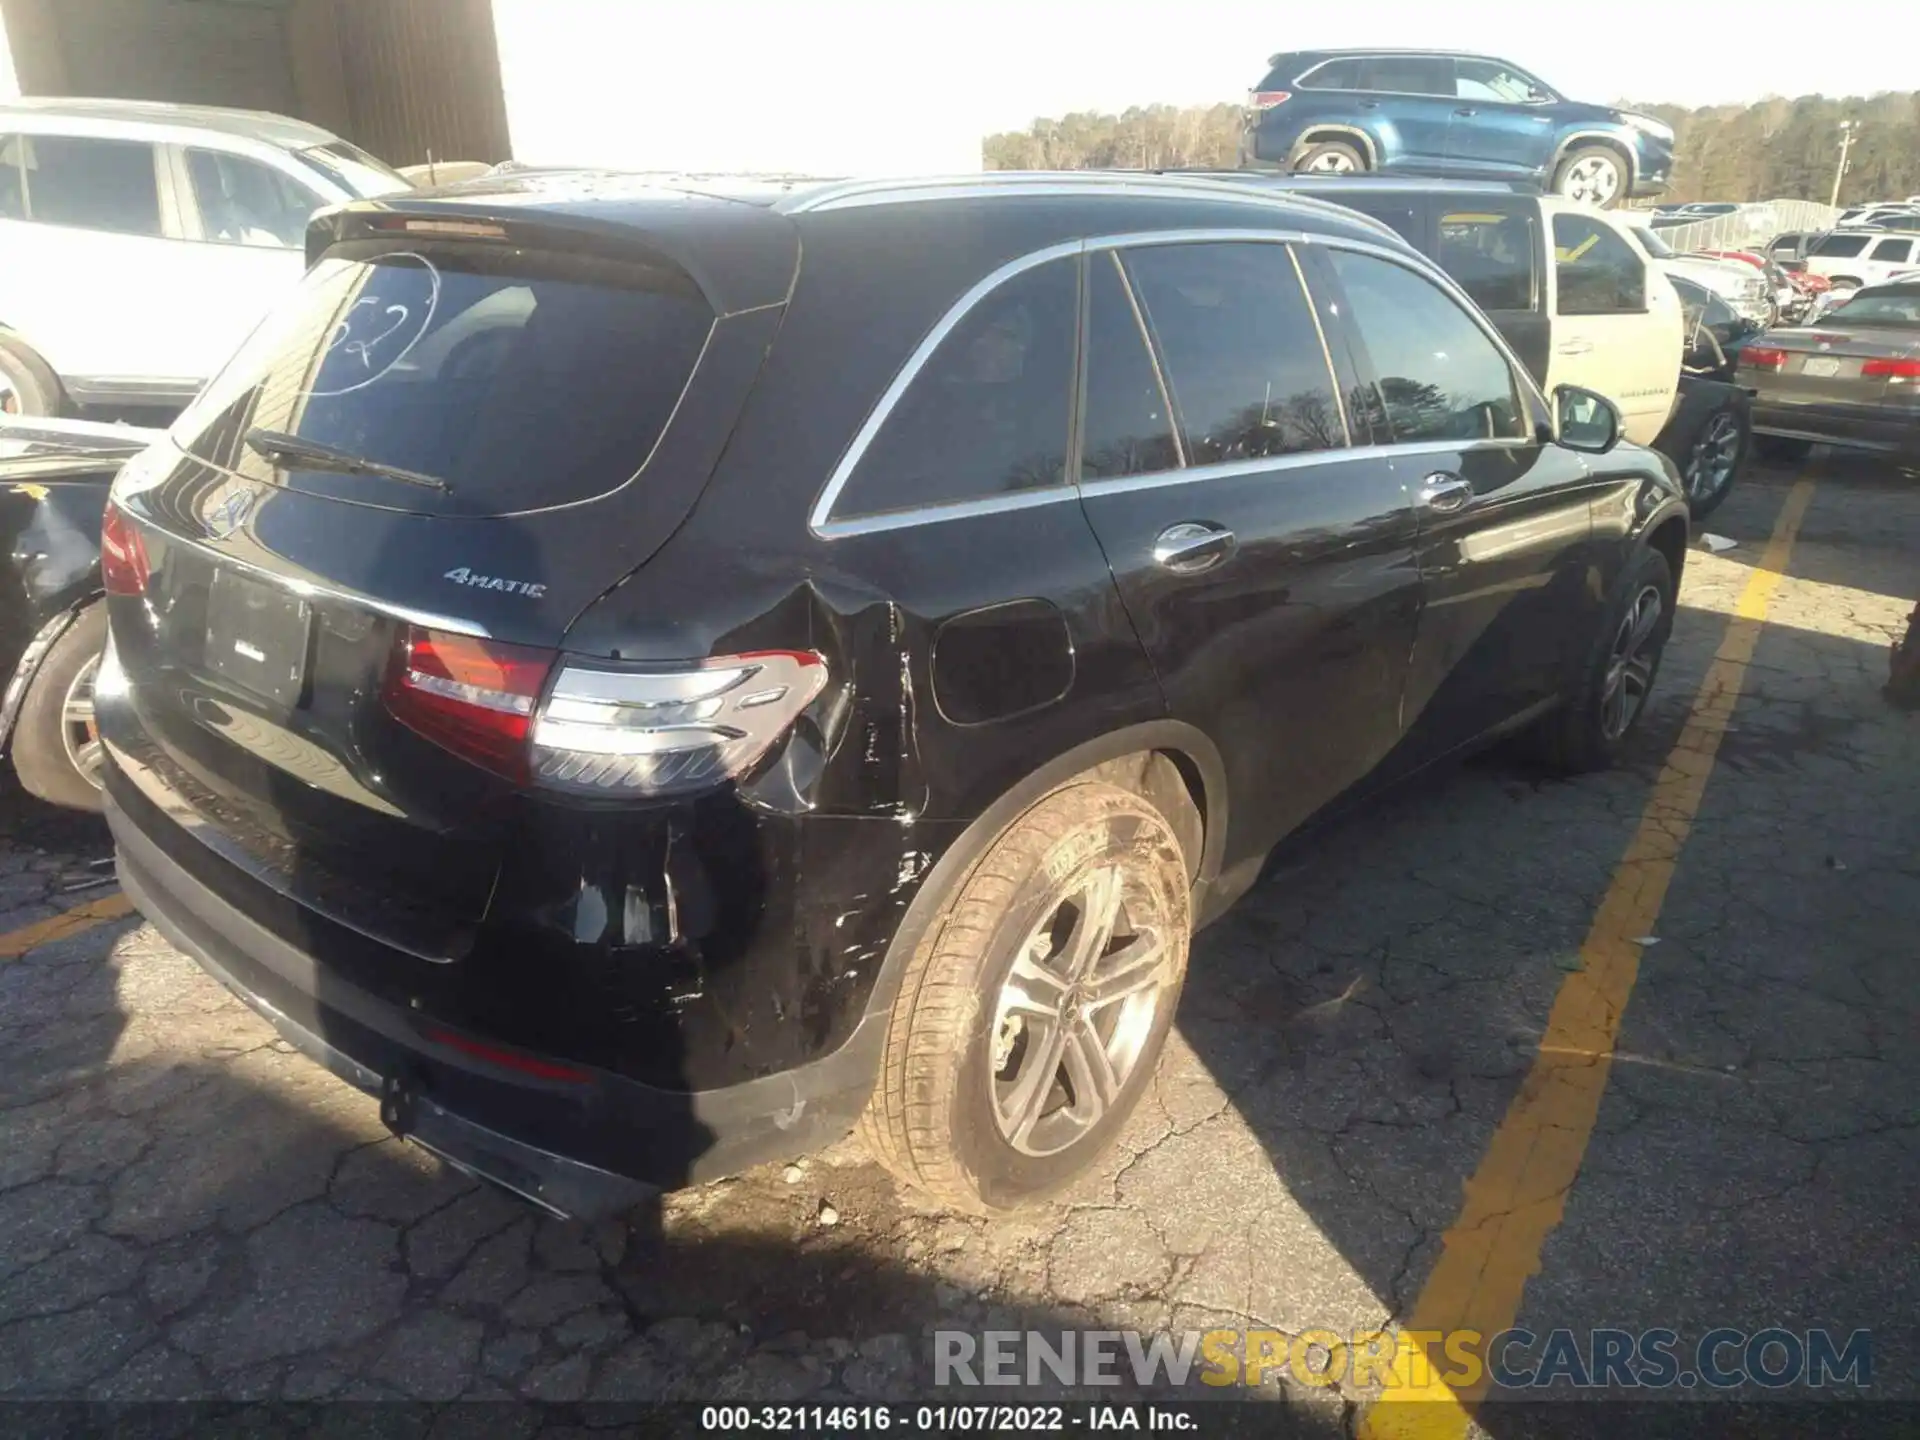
<point x="140" y="243"/>
<point x="1851" y="258"/>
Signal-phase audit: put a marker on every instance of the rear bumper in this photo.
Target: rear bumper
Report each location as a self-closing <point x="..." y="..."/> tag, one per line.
<point x="577" y="1141"/>
<point x="1860" y="427"/>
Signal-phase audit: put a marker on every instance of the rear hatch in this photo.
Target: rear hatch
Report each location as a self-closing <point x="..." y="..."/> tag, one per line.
<point x="464" y="426"/>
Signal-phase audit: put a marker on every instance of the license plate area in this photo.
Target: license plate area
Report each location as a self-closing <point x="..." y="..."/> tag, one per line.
<point x="1821" y="367"/>
<point x="257" y="638"/>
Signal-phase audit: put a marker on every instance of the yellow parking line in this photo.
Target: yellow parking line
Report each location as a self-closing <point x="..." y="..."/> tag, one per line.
<point x="16" y="943"/>
<point x="1519" y="1194"/>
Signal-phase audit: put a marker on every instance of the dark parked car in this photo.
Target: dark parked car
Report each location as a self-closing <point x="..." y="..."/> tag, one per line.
<point x="1712" y="424"/>
<point x="54" y="476"/>
<point x="643" y="679"/>
<point x="1470" y="116"/>
<point x="1851" y="378"/>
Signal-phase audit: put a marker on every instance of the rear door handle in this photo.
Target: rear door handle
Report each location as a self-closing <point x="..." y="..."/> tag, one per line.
<point x="1445" y="493"/>
<point x="1576" y="347"/>
<point x="1465" y="111"/>
<point x="1192" y="546"/>
<point x="1369" y="104"/>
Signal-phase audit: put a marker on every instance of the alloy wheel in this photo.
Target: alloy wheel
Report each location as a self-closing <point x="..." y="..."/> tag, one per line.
<point x="1636" y="650"/>
<point x="1710" y="466"/>
<point x="79" y="730"/>
<point x="1331" y="162"/>
<point x="1592" y="181"/>
<point x="1074" y="1015"/>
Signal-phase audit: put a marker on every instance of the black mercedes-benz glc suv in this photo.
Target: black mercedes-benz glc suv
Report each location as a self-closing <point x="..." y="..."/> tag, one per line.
<point x="647" y="678"/>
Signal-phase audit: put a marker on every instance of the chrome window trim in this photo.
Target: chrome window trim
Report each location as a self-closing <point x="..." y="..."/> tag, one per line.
<point x="820" y="518"/>
<point x="1158" y="480"/>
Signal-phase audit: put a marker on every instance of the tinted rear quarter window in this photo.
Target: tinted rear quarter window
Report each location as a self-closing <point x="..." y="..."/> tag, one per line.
<point x="1897" y="250"/>
<point x="1598" y="272"/>
<point x="90" y="184"/>
<point x="1330" y="75"/>
<point x="1842" y="247"/>
<point x="988" y="413"/>
<point x="1242" y="351"/>
<point x="522" y="378"/>
<point x="1490" y="253"/>
<point x="1439" y="376"/>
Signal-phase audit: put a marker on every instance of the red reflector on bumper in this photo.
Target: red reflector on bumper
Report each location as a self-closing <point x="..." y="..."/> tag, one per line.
<point x="507" y="1059"/>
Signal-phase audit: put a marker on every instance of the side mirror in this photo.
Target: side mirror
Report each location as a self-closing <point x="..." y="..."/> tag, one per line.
<point x="1584" y="420"/>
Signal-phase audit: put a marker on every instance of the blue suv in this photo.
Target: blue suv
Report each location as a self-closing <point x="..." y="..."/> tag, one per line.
<point x="1426" y="112"/>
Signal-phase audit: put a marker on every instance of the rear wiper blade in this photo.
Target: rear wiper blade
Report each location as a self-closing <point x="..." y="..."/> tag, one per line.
<point x="278" y="445"/>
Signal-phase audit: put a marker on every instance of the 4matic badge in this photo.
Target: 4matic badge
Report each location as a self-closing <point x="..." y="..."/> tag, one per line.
<point x="464" y="576"/>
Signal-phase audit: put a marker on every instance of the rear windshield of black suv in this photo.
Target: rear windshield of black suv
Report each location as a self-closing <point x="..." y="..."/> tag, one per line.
<point x="522" y="379"/>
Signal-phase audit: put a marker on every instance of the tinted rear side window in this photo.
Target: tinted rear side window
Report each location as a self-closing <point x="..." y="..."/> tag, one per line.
<point x="1490" y="254"/>
<point x="522" y="378"/>
<point x="1127" y="429"/>
<point x="1440" y="377"/>
<point x="1408" y="74"/>
<point x="1242" y="351"/>
<point x="1842" y="246"/>
<point x="988" y="412"/>
<point x="1333" y="75"/>
<point x="1897" y="250"/>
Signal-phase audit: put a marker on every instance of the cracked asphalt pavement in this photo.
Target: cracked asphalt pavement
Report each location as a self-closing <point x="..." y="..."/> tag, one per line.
<point x="190" y="1209"/>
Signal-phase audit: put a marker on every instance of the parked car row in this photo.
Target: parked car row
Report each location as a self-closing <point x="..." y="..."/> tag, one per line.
<point x="1448" y="114"/>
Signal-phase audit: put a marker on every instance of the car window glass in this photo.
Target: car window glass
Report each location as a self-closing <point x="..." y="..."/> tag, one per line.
<point x="988" y="412"/>
<point x="1126" y="429"/>
<point x="1842" y="246"/>
<point x="1407" y="74"/>
<point x="1333" y="75"/>
<point x="1895" y="307"/>
<point x="1491" y="256"/>
<point x="13" y="193"/>
<point x="1486" y="80"/>
<point x="1242" y="351"/>
<point x="1397" y="213"/>
<point x="1598" y="272"/>
<point x="91" y="184"/>
<point x="1892" y="250"/>
<point x="243" y="202"/>
<point x="1439" y="376"/>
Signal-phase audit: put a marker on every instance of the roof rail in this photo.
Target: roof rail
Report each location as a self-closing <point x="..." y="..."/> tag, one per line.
<point x="1188" y="185"/>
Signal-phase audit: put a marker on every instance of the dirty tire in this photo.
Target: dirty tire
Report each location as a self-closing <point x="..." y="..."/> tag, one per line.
<point x="932" y="1119"/>
<point x="28" y="385"/>
<point x="1781" y="447"/>
<point x="1330" y="157"/>
<point x="40" y="755"/>
<point x="1574" y="739"/>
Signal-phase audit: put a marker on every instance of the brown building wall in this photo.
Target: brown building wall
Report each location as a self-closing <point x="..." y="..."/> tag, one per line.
<point x="400" y="78"/>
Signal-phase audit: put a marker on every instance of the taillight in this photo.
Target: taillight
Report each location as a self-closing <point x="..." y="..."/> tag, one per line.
<point x="471" y="696"/>
<point x="1267" y="99"/>
<point x="1764" y="357"/>
<point x="1892" y="369"/>
<point x="670" y="730"/>
<point x="124" y="569"/>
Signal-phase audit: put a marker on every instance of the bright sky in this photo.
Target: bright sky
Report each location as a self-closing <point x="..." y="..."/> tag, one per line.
<point x="897" y="86"/>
